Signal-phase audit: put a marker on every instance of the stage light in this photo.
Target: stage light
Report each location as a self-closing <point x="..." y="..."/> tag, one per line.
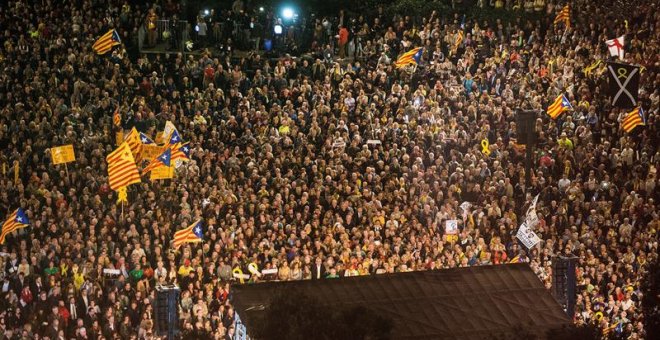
<point x="207" y="12"/>
<point x="288" y="13"/>
<point x="261" y="9"/>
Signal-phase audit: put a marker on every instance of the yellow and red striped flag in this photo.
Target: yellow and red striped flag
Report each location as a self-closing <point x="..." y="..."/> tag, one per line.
<point x="193" y="234"/>
<point x="633" y="119"/>
<point x="411" y="57"/>
<point x="558" y="107"/>
<point x="15" y="221"/>
<point x="564" y="16"/>
<point x="163" y="160"/>
<point x="134" y="143"/>
<point x="116" y="117"/>
<point x="122" y="170"/>
<point x="106" y="42"/>
<point x="181" y="151"/>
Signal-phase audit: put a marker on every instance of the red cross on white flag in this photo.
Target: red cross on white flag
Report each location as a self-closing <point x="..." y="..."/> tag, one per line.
<point x="615" y="46"/>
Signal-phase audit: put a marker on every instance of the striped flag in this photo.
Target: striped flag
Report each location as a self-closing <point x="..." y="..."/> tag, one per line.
<point x="558" y="107"/>
<point x="122" y="170"/>
<point x="15" y="221"/>
<point x="564" y="16"/>
<point x="106" y="42"/>
<point x="411" y="57"/>
<point x="116" y="117"/>
<point x="515" y="259"/>
<point x="163" y="160"/>
<point x="181" y="151"/>
<point x="633" y="119"/>
<point x="460" y="35"/>
<point x="134" y="143"/>
<point x="193" y="234"/>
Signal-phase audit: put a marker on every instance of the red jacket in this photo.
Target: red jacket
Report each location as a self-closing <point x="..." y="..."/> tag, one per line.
<point x="343" y="36"/>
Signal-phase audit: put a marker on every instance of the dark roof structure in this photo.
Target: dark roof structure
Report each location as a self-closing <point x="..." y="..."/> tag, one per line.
<point x="462" y="303"/>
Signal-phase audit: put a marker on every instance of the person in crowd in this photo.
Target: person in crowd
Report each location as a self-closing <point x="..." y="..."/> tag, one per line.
<point x="318" y="168"/>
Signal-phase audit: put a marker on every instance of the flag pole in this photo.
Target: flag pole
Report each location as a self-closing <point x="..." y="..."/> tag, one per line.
<point x="66" y="169"/>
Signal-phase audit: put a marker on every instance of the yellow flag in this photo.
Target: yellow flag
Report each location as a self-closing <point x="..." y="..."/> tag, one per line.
<point x="159" y="137"/>
<point x="163" y="172"/>
<point x="123" y="195"/>
<point x="119" y="137"/>
<point x="63" y="154"/>
<point x="151" y="151"/>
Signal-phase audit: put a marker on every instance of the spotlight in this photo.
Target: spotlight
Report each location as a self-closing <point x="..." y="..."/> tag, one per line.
<point x="261" y="9"/>
<point x="207" y="12"/>
<point x="288" y="13"/>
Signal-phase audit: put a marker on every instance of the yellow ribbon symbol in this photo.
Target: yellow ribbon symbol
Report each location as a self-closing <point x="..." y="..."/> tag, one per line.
<point x="587" y="70"/>
<point x="598" y="316"/>
<point x="238" y="273"/>
<point x="123" y="196"/>
<point x="484" y="147"/>
<point x="623" y="73"/>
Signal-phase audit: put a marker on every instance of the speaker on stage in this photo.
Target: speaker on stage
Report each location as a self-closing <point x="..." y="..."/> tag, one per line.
<point x="564" y="282"/>
<point x="525" y="126"/>
<point x="166" y="313"/>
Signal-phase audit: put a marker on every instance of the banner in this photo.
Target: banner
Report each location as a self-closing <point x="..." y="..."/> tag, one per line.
<point x="151" y="151"/>
<point x="623" y="84"/>
<point x="532" y="219"/>
<point x="451" y="227"/>
<point x="63" y="154"/>
<point x="527" y="236"/>
<point x="163" y="172"/>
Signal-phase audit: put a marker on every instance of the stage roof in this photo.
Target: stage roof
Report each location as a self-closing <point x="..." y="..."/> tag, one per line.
<point x="462" y="303"/>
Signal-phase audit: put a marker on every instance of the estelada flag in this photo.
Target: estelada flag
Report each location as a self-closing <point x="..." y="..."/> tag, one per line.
<point x="106" y="42"/>
<point x="411" y="57"/>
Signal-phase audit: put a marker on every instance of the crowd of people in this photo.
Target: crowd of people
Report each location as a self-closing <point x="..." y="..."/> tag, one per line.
<point x="318" y="167"/>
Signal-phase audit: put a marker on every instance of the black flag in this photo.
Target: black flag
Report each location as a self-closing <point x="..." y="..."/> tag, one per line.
<point x="624" y="84"/>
